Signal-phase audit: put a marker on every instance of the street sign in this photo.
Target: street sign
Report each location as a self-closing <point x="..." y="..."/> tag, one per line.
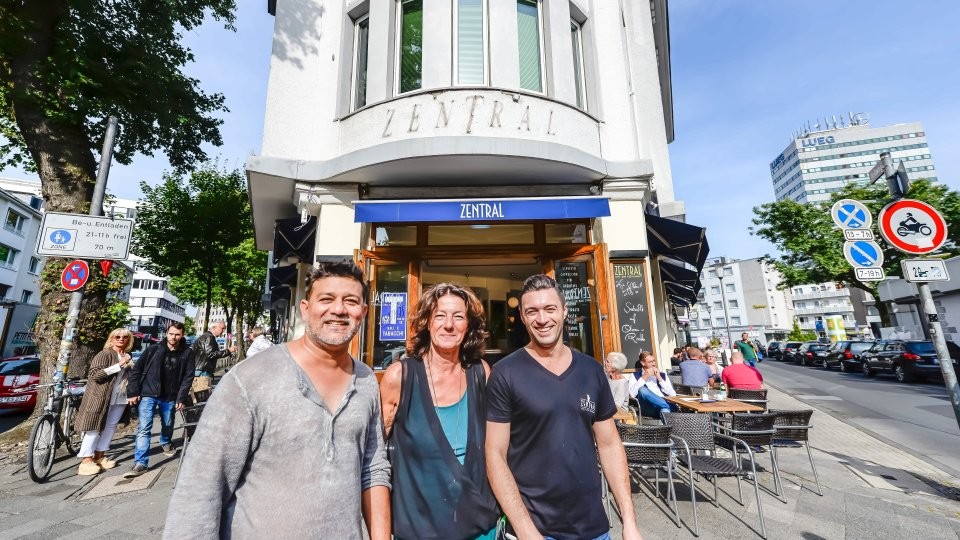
<point x="912" y="226"/>
<point x="88" y="237"/>
<point x="858" y="234"/>
<point x="870" y="274"/>
<point x="75" y="275"/>
<point x="393" y="316"/>
<point x="863" y="254"/>
<point x="924" y="270"/>
<point x="876" y="171"/>
<point x="851" y="214"/>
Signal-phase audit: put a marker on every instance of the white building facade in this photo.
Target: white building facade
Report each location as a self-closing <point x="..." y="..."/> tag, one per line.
<point x="20" y="268"/>
<point x="822" y="161"/>
<point x="475" y="141"/>
<point x="740" y="296"/>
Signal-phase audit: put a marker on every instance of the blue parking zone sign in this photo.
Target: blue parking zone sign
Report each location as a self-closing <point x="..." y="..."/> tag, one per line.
<point x="393" y="316"/>
<point x="851" y="214"/>
<point x="863" y="254"/>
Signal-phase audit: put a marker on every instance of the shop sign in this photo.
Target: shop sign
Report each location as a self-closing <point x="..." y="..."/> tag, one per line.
<point x="393" y="316"/>
<point x="23" y="338"/>
<point x="481" y="209"/>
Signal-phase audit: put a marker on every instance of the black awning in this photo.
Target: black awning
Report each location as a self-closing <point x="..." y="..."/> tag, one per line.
<point x="677" y="240"/>
<point x="293" y="238"/>
<point x="680" y="291"/>
<point x="679" y="274"/>
<point x="677" y="301"/>
<point x="283" y="275"/>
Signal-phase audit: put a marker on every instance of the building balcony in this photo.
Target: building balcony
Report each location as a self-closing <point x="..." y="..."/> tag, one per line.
<point x="820" y="310"/>
<point x="836" y="293"/>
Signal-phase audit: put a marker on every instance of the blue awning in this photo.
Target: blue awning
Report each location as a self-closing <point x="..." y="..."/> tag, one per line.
<point x="469" y="210"/>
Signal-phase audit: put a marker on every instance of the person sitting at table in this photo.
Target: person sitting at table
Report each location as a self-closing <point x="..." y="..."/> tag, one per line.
<point x="676" y="359"/>
<point x="650" y="385"/>
<point x="695" y="372"/>
<point x="740" y="375"/>
<point x="710" y="356"/>
<point x="614" y="365"/>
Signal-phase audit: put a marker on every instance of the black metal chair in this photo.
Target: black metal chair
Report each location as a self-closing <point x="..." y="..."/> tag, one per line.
<point x="190" y="417"/>
<point x="676" y="379"/>
<point x="753" y="397"/>
<point x="694" y="433"/>
<point x="757" y="430"/>
<point x="687" y="390"/>
<point x="793" y="431"/>
<point x="649" y="447"/>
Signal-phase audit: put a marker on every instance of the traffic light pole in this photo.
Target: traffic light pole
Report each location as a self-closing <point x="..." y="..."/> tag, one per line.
<point x="894" y="185"/>
<point x="96" y="209"/>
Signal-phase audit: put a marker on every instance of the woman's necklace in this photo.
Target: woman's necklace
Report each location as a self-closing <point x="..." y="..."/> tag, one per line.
<point x="436" y="403"/>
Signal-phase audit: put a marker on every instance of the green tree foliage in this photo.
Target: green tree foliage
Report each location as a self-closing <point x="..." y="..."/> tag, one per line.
<point x="796" y="334"/>
<point x="811" y="247"/>
<point x="189" y="324"/>
<point x="64" y="68"/>
<point x="187" y="227"/>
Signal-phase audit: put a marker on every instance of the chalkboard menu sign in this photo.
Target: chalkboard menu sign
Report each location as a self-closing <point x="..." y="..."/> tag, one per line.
<point x="633" y="313"/>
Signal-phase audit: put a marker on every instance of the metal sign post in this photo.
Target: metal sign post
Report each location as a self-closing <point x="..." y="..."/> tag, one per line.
<point x="96" y="209"/>
<point x="897" y="184"/>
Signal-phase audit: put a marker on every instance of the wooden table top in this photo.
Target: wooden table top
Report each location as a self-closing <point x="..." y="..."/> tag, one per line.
<point x="726" y="406"/>
<point x="624" y="416"/>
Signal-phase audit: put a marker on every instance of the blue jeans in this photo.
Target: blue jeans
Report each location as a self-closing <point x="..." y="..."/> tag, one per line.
<point x="651" y="404"/>
<point x="604" y="536"/>
<point x="750" y="362"/>
<point x="145" y="416"/>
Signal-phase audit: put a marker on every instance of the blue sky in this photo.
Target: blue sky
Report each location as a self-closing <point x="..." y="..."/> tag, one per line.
<point x="746" y="74"/>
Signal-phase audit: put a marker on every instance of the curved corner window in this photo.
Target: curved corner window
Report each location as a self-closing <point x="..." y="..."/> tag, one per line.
<point x="410" y="49"/>
<point x="471" y="46"/>
<point x="576" y="36"/>
<point x="361" y="35"/>
<point x="530" y="47"/>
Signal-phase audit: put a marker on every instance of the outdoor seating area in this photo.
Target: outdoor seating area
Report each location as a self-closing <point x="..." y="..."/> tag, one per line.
<point x="709" y="442"/>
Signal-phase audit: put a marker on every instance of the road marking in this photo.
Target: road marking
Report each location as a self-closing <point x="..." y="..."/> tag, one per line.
<point x="814" y="396"/>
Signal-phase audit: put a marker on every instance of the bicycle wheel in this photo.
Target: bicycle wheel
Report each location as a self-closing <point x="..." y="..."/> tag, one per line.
<point x="42" y="448"/>
<point x="72" y="437"/>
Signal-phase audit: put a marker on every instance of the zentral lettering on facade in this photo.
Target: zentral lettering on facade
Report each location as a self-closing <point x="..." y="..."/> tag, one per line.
<point x="817" y="141"/>
<point x="468" y="114"/>
<point x="481" y="211"/>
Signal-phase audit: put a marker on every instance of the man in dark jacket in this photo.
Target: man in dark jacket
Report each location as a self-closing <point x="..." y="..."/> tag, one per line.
<point x="207" y="351"/>
<point x="160" y="379"/>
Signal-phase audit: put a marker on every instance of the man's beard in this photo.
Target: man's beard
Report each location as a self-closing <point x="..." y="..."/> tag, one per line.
<point x="331" y="338"/>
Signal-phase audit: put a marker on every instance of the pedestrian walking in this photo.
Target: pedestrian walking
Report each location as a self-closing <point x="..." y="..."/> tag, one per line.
<point x="104" y="402"/>
<point x="159" y="381"/>
<point x="258" y="341"/>
<point x="206" y="353"/>
<point x="748" y="349"/>
<point x="291" y="443"/>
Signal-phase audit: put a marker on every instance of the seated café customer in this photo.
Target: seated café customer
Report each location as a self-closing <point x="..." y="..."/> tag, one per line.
<point x="695" y="372"/>
<point x="740" y="375"/>
<point x="711" y="356"/>
<point x="615" y="364"/>
<point x="650" y="385"/>
<point x="677" y="357"/>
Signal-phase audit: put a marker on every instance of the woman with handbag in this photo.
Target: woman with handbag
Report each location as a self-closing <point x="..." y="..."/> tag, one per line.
<point x="104" y="402"/>
<point x="434" y="414"/>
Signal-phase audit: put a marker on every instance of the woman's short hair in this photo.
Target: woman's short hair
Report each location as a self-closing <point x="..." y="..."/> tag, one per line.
<point x="119" y="332"/>
<point x="475" y="339"/>
<point x="257" y="331"/>
<point x="618" y="361"/>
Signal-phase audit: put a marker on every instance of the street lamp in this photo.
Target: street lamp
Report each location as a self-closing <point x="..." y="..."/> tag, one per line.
<point x="718" y="268"/>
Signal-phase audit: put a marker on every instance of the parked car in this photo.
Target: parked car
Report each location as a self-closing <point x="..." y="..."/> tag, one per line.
<point x="789" y="349"/>
<point x="773" y="349"/>
<point x="909" y="361"/>
<point x="811" y="353"/>
<point x="847" y="355"/>
<point x="15" y="373"/>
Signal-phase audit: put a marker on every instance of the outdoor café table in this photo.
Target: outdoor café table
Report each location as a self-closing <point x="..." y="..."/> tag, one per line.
<point x="624" y="416"/>
<point x="694" y="404"/>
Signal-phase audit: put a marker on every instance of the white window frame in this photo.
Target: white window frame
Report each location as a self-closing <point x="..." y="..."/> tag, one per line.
<point x="398" y="41"/>
<point x="12" y="254"/>
<point x="356" y="58"/>
<point x="18" y="228"/>
<point x="579" y="75"/>
<point x="543" y="65"/>
<point x="485" y="6"/>
<point x="34" y="267"/>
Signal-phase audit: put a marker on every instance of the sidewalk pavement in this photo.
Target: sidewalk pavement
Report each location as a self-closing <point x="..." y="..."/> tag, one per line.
<point x="870" y="490"/>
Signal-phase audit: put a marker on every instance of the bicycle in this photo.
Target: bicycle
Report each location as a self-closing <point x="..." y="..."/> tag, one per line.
<point x="54" y="427"/>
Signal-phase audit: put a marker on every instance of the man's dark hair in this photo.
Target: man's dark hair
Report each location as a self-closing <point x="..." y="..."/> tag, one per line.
<point x="540" y="282"/>
<point x="345" y="269"/>
<point x="178" y="326"/>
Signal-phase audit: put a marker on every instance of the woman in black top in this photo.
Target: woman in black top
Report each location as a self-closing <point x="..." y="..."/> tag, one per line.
<point x="434" y="414"/>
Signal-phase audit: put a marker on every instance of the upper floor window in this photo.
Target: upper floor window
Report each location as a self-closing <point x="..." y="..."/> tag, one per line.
<point x="410" y="49"/>
<point x="14" y="222"/>
<point x="471" y="46"/>
<point x="25" y="297"/>
<point x="576" y="37"/>
<point x="34" y="267"/>
<point x="8" y="255"/>
<point x="727" y="271"/>
<point x="361" y="36"/>
<point x="530" y="46"/>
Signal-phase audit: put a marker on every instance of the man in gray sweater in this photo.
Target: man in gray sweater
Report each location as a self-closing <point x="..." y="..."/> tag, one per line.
<point x="290" y="444"/>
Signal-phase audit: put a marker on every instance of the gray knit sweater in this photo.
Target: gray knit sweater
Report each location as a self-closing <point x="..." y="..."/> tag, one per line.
<point x="270" y="459"/>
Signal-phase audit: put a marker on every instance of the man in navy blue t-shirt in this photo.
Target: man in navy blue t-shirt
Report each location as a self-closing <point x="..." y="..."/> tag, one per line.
<point x="549" y="411"/>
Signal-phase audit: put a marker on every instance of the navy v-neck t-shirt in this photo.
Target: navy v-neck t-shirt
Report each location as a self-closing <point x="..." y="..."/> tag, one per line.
<point x="552" y="453"/>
